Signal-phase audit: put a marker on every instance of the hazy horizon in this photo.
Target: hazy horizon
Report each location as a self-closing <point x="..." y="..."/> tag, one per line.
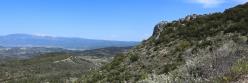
<point x="122" y="20"/>
<point x="43" y="35"/>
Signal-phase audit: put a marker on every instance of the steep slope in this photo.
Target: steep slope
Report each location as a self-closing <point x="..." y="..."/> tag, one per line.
<point x="198" y="48"/>
<point x="25" y="40"/>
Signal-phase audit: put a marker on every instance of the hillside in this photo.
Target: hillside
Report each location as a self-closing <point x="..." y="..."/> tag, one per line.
<point x="25" y="40"/>
<point x="208" y="48"/>
<point x="54" y="67"/>
<point x="104" y="52"/>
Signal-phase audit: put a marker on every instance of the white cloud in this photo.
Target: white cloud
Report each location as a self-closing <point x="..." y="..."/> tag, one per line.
<point x="241" y="1"/>
<point x="215" y="3"/>
<point x="209" y="3"/>
<point x="44" y="35"/>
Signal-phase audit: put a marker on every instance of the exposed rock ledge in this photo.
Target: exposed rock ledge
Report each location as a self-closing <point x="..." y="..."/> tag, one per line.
<point x="159" y="28"/>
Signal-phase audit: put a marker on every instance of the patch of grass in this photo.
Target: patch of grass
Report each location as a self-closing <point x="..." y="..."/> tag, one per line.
<point x="241" y="67"/>
<point x="184" y="44"/>
<point x="238" y="69"/>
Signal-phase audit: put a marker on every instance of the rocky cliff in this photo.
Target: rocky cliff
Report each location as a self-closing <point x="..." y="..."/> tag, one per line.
<point x="198" y="48"/>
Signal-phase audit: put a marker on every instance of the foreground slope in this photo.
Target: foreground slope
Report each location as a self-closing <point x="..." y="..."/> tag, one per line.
<point x="198" y="48"/>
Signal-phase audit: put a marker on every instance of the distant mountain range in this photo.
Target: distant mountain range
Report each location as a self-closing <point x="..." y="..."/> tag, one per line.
<point x="26" y="40"/>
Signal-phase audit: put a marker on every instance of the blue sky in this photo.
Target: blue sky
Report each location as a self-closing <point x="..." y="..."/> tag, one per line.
<point x="127" y="20"/>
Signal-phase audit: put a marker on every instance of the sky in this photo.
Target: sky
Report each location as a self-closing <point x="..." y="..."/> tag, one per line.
<point x="123" y="20"/>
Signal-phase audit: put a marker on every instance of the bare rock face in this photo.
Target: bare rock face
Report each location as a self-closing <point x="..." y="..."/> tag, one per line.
<point x="189" y="18"/>
<point x="159" y="28"/>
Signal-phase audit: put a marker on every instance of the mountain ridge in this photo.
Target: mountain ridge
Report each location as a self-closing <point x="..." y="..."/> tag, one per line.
<point x="26" y="40"/>
<point x="210" y="48"/>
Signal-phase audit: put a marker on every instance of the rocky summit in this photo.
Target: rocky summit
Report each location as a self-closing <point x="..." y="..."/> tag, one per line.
<point x="211" y="48"/>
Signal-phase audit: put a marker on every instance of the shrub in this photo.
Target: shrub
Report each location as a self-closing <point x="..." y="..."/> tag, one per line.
<point x="241" y="67"/>
<point x="134" y="58"/>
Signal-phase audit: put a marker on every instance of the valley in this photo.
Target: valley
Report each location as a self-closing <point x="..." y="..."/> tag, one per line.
<point x="56" y="66"/>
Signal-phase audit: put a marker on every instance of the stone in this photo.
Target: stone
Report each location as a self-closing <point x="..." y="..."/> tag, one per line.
<point x="158" y="29"/>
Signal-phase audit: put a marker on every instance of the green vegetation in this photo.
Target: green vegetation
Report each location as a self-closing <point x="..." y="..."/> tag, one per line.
<point x="237" y="70"/>
<point x="39" y="69"/>
<point x="134" y="58"/>
<point x="116" y="62"/>
<point x="241" y="67"/>
<point x="182" y="45"/>
<point x="115" y="72"/>
<point x="57" y="67"/>
<point x="51" y="67"/>
<point x="193" y="50"/>
<point x="115" y="75"/>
